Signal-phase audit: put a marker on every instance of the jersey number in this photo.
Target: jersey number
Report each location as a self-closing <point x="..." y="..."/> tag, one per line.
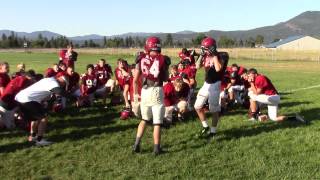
<point x="154" y="69"/>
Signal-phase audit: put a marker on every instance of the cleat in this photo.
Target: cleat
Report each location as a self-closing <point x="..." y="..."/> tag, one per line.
<point x="43" y="142"/>
<point x="136" y="149"/>
<point x="211" y="137"/>
<point x="204" y="132"/>
<point x="301" y="119"/>
<point x="158" y="151"/>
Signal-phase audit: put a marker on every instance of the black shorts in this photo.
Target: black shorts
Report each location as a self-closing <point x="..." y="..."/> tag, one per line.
<point x="33" y="111"/>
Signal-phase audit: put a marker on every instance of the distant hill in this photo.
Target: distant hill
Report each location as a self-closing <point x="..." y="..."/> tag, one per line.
<point x="307" y="23"/>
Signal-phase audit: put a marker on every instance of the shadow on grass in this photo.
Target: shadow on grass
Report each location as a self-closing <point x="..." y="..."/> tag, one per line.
<point x="87" y="133"/>
<point x="310" y="115"/>
<point x="14" y="147"/>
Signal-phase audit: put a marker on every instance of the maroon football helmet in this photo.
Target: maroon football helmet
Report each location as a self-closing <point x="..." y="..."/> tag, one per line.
<point x="152" y="44"/>
<point x="209" y="44"/>
<point x="125" y="114"/>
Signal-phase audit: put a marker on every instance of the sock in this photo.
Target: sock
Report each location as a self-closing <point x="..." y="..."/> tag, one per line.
<point x="204" y="123"/>
<point x="213" y="130"/>
<point x="156" y="147"/>
<point x="138" y="140"/>
<point x="39" y="138"/>
<point x="33" y="134"/>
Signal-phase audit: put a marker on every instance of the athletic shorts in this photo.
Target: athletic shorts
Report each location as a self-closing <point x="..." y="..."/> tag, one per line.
<point x="271" y="101"/>
<point x="152" y="107"/>
<point x="33" y="111"/>
<point x="210" y="93"/>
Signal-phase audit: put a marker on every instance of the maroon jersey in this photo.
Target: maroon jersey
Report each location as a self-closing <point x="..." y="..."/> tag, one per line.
<point x="88" y="84"/>
<point x="170" y="98"/>
<point x="4" y="79"/>
<point x="16" y="74"/>
<point x="211" y="75"/>
<point x="16" y="85"/>
<point x="153" y="68"/>
<point x="103" y="73"/>
<point x="263" y="83"/>
<point x="121" y="78"/>
<point x="68" y="58"/>
<point x="187" y="56"/>
<point x="174" y="77"/>
<point x="50" y="73"/>
<point x="73" y="81"/>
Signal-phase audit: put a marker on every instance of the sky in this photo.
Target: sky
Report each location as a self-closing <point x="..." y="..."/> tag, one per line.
<point x="112" y="17"/>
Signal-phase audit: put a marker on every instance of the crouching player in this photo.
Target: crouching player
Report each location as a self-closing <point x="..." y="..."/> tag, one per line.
<point x="105" y="83"/>
<point x="262" y="92"/>
<point x="30" y="101"/>
<point x="8" y="106"/>
<point x="153" y="67"/>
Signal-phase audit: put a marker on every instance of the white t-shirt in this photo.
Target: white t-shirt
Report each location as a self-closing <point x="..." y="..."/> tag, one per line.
<point x="38" y="92"/>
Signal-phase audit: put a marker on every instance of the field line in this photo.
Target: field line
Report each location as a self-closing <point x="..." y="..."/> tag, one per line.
<point x="301" y="89"/>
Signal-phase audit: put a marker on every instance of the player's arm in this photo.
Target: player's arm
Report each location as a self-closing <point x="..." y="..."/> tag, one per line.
<point x="1" y="90"/>
<point x="167" y="62"/>
<point x="217" y="64"/>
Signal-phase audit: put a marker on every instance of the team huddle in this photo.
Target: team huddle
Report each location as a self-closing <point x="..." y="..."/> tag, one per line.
<point x="152" y="89"/>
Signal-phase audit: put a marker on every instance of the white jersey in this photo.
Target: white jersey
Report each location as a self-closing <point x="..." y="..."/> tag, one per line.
<point x="38" y="92"/>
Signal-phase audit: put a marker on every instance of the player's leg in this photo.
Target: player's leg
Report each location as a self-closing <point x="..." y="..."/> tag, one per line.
<point x="157" y="115"/>
<point x="125" y="95"/>
<point x="202" y="98"/>
<point x="214" y="106"/>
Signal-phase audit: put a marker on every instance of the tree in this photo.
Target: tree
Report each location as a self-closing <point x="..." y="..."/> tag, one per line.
<point x="169" y="40"/>
<point x="259" y="40"/>
<point x="225" y="42"/>
<point x="104" y="41"/>
<point x="198" y="39"/>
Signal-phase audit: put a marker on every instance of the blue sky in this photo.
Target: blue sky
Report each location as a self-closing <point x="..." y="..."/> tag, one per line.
<point x="74" y="17"/>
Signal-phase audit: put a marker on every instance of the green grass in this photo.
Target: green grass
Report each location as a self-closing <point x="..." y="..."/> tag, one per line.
<point x="94" y="144"/>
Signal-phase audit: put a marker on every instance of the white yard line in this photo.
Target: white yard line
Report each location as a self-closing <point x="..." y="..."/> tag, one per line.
<point x="301" y="89"/>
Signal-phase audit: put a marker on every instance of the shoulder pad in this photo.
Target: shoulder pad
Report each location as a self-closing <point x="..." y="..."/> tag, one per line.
<point x="139" y="56"/>
<point x="167" y="60"/>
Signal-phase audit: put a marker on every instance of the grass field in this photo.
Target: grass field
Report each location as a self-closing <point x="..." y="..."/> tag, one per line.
<point x="94" y="144"/>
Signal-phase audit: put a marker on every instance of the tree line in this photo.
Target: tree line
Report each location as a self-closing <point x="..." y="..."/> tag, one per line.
<point x="13" y="41"/>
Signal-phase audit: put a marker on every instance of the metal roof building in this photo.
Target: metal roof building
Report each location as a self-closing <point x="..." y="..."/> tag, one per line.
<point x="296" y="43"/>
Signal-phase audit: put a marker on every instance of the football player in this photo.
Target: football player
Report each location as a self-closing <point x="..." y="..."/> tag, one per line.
<point x="262" y="91"/>
<point x="68" y="56"/>
<point x="88" y="86"/>
<point x="152" y="66"/>
<point x="4" y="77"/>
<point x="214" y="64"/>
<point x="105" y="83"/>
<point x="30" y="101"/>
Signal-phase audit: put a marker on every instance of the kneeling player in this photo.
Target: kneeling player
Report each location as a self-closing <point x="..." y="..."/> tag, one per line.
<point x="262" y="91"/>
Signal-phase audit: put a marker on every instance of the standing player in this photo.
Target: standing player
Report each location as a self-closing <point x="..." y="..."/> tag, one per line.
<point x="4" y="77"/>
<point x="187" y="55"/>
<point x="214" y="65"/>
<point x="123" y="74"/>
<point x="153" y="67"/>
<point x="68" y="56"/>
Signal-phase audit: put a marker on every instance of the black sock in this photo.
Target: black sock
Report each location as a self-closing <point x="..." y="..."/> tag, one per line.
<point x="156" y="147"/>
<point x="291" y="118"/>
<point x="39" y="138"/>
<point x="138" y="140"/>
<point x="33" y="134"/>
